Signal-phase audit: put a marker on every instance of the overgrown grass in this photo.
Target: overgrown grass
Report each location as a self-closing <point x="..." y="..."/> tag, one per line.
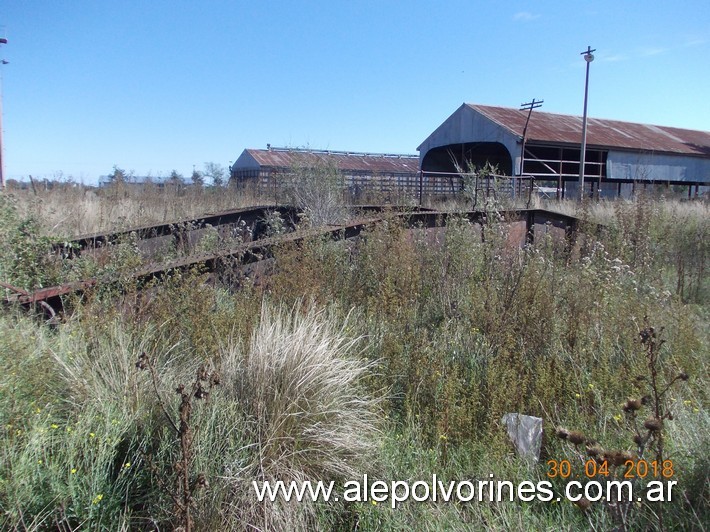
<point x="394" y="354"/>
<point x="69" y="209"/>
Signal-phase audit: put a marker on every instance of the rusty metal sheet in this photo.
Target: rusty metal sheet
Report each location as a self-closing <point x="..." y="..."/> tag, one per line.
<point x="601" y="133"/>
<point x="52" y="292"/>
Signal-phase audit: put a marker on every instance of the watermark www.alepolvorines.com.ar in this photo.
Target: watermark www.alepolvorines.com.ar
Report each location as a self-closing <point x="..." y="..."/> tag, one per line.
<point x="436" y="490"/>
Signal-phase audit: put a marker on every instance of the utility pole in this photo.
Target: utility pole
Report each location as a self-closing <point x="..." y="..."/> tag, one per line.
<point x="3" y="40"/>
<point x="529" y="108"/>
<point x="588" y="57"/>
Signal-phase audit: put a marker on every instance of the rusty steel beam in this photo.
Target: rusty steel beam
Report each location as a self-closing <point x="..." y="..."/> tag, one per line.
<point x="14" y="289"/>
<point x="251" y="216"/>
<point x="250" y="252"/>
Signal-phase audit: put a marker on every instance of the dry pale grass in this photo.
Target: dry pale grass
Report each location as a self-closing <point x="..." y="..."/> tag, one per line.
<point x="607" y="211"/>
<point x="308" y="416"/>
<point x="69" y="209"/>
<point x="66" y="210"/>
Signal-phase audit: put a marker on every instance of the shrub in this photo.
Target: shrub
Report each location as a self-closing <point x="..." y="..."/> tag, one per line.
<point x="25" y="261"/>
<point x="317" y="189"/>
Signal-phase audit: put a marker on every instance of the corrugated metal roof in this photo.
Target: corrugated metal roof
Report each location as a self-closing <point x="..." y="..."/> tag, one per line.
<point x="567" y="129"/>
<point x="375" y="163"/>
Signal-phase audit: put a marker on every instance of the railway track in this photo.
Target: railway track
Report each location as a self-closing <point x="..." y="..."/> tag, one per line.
<point x="245" y="224"/>
<point x="528" y="224"/>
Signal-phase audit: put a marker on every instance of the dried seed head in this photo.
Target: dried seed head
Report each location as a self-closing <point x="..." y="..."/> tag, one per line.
<point x="615" y="458"/>
<point x="201" y="481"/>
<point x="653" y="424"/>
<point x="632" y="405"/>
<point x="562" y="433"/>
<point x="647" y="334"/>
<point x="202" y="373"/>
<point x="625" y="456"/>
<point x="583" y="504"/>
<point x="180" y="388"/>
<point x="201" y="393"/>
<point x="215" y="379"/>
<point x="142" y="362"/>
<point x="639" y="440"/>
<point x="594" y="450"/>
<point x="683" y="376"/>
<point x="575" y="437"/>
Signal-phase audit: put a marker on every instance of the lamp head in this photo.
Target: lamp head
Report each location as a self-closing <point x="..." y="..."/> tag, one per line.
<point x="588" y="58"/>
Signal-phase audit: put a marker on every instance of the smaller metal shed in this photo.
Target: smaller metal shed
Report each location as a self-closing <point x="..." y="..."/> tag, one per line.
<point x="382" y="171"/>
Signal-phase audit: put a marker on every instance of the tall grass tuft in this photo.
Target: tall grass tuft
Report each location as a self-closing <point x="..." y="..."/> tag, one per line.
<point x="307" y="414"/>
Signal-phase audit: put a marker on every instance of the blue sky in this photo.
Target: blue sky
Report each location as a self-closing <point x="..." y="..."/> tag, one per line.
<point x="153" y="86"/>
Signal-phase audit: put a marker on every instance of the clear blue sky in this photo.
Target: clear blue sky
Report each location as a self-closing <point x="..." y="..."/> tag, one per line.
<point x="153" y="86"/>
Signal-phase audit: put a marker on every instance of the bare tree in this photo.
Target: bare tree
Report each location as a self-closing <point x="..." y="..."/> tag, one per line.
<point x="216" y="172"/>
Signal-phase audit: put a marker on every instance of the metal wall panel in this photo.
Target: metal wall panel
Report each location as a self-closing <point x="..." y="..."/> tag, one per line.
<point x="629" y="166"/>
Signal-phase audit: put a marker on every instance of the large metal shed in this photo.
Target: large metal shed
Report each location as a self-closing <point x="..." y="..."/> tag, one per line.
<point x="619" y="156"/>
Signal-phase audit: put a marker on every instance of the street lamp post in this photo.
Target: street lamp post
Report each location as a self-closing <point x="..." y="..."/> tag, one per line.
<point x="588" y="57"/>
<point x="3" y="40"/>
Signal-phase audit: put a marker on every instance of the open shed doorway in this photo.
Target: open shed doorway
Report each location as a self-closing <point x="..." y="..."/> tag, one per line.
<point x="469" y="155"/>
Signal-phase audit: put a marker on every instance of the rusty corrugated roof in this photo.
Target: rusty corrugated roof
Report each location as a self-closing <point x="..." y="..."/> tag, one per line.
<point x="567" y="129"/>
<point x="375" y="163"/>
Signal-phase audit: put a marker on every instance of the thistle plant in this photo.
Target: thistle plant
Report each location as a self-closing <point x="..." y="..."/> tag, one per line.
<point x="185" y="482"/>
<point x="646" y="414"/>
